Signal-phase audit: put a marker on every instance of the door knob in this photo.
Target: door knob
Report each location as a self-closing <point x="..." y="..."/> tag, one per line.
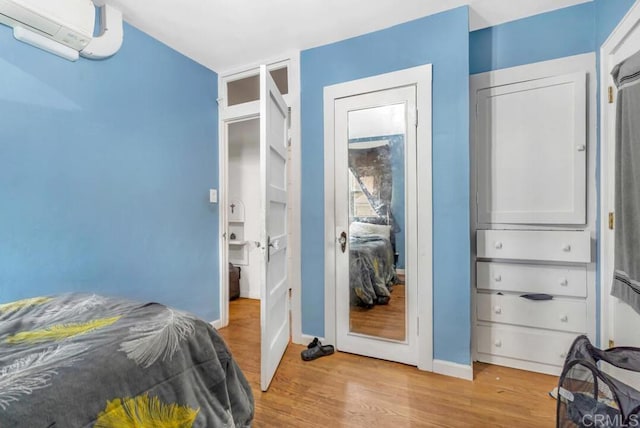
<point x="343" y="241"/>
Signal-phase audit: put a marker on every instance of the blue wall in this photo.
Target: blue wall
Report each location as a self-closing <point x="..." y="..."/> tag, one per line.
<point x="557" y="34"/>
<point x="608" y="15"/>
<point x="105" y="168"/>
<point x="442" y="40"/>
<point x="570" y="31"/>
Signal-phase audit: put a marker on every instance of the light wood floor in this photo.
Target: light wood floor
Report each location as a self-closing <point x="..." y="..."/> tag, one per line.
<point x="344" y="390"/>
<point x="386" y="321"/>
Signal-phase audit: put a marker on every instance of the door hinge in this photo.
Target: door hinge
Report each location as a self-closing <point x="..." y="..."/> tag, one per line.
<point x="416" y="118"/>
<point x="610" y="94"/>
<point x="611" y="343"/>
<point x="418" y="326"/>
<point x="611" y="220"/>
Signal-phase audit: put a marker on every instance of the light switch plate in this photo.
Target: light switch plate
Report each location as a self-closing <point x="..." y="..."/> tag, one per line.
<point x="213" y="196"/>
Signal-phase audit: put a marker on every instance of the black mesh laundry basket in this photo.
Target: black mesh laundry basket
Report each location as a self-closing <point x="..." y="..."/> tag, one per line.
<point x="588" y="397"/>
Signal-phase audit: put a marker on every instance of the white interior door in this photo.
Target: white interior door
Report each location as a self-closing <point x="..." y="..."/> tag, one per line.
<point x="274" y="301"/>
<point x="375" y="137"/>
<point x="623" y="321"/>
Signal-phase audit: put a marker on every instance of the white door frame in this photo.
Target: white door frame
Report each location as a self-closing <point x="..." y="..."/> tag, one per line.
<point x="614" y="43"/>
<point x="421" y="77"/>
<point x="246" y="111"/>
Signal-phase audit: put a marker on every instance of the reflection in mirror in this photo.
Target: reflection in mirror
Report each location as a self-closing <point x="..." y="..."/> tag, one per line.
<point x="377" y="222"/>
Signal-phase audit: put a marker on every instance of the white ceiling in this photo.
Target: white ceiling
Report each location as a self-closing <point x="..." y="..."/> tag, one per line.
<point x="226" y="34"/>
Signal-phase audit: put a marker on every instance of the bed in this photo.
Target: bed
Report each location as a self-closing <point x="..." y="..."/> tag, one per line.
<point x="371" y="264"/>
<point x="80" y="360"/>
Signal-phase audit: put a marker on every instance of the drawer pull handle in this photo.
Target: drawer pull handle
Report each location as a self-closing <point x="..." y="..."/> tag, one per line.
<point x="564" y="282"/>
<point x="497" y="310"/>
<point x="498" y="245"/>
<point x="581" y="147"/>
<point x="564" y="318"/>
<point x="497" y="278"/>
<point x="563" y="355"/>
<point x="537" y="296"/>
<point x="498" y="343"/>
<point x="566" y="248"/>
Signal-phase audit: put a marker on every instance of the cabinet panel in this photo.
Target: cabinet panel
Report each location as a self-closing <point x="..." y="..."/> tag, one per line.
<point x="532" y="151"/>
<point x="561" y="315"/>
<point x="544" y="347"/>
<point x="544" y="245"/>
<point x="524" y="278"/>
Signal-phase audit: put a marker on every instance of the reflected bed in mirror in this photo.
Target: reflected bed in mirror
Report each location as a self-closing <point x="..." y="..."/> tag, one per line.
<point x="377" y="223"/>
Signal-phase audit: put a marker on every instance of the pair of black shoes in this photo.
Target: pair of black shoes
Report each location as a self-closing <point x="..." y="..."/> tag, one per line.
<point x="316" y="349"/>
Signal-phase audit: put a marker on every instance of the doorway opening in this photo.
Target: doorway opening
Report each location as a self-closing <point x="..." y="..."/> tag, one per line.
<point x="259" y="204"/>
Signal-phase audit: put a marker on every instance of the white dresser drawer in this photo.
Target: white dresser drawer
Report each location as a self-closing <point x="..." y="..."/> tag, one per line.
<point x="562" y="315"/>
<point x="538" y="346"/>
<point x="545" y="245"/>
<point x="523" y="278"/>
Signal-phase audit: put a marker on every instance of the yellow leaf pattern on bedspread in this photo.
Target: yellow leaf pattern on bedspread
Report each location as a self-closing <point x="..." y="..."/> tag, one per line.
<point x="19" y="304"/>
<point x="60" y="331"/>
<point x="144" y="411"/>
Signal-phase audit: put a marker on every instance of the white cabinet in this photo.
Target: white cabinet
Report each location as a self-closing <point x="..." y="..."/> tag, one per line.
<point x="532" y="151"/>
<point x="533" y="212"/>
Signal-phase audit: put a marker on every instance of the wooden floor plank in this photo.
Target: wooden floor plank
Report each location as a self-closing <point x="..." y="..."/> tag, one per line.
<point x="344" y="390"/>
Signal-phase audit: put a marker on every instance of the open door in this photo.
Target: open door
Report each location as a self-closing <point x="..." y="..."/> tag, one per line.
<point x="274" y="286"/>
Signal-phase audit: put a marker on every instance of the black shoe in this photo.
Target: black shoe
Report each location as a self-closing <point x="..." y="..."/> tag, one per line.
<point x="315" y="342"/>
<point x="317" y="352"/>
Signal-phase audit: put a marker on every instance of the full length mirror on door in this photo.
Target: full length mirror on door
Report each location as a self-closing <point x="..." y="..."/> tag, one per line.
<point x="377" y="226"/>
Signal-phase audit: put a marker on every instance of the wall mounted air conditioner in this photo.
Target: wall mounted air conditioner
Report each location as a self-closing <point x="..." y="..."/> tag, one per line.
<point x="64" y="27"/>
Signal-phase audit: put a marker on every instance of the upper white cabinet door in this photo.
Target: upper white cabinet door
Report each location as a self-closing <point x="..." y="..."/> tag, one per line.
<point x="532" y="151"/>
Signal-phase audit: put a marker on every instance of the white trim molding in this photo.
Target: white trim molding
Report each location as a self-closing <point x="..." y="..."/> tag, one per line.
<point x="217" y="324"/>
<point x="447" y="368"/>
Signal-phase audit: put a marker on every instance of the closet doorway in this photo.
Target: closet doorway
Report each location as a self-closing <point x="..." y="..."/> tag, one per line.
<point x="378" y="273"/>
<point x="256" y="205"/>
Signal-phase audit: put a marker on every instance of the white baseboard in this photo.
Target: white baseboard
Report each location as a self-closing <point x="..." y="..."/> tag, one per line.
<point x="448" y="368"/>
<point x="305" y="339"/>
<point x="216" y="324"/>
